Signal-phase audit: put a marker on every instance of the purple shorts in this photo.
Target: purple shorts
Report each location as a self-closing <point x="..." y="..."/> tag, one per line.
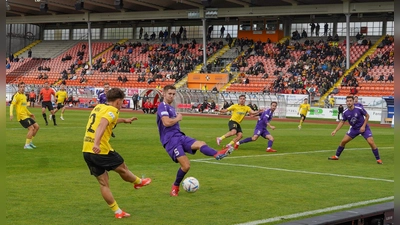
<point x="177" y="146"/>
<point x="355" y="132"/>
<point x="261" y="132"/>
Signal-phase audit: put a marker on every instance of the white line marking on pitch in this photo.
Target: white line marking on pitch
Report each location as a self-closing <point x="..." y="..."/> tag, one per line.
<point x="280" y="154"/>
<point x="299" y="171"/>
<point x="308" y="213"/>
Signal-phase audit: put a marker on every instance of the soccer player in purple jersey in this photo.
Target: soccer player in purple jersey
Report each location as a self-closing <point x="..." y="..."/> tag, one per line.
<point x="176" y="143"/>
<point x="101" y="97"/>
<point x="356" y="103"/>
<point x="357" y="118"/>
<point x="261" y="130"/>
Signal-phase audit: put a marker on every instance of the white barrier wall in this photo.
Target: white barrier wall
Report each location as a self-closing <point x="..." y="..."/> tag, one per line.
<point x="330" y="113"/>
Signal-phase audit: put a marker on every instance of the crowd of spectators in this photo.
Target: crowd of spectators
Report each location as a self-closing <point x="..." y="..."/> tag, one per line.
<point x="381" y="58"/>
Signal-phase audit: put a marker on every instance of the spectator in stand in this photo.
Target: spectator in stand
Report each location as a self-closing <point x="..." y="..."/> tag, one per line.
<point x="359" y="36"/>
<point x="140" y="33"/>
<point x="312" y="25"/>
<point x="326" y="29"/>
<point x="222" y="30"/>
<point x="124" y="79"/>
<point x="153" y="36"/>
<point x="8" y="65"/>
<point x="146" y="36"/>
<point x="119" y="78"/>
<point x="317" y="30"/>
<point x="30" y="53"/>
<point x="390" y="78"/>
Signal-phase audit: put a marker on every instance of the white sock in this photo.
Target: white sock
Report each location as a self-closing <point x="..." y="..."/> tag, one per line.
<point x="118" y="211"/>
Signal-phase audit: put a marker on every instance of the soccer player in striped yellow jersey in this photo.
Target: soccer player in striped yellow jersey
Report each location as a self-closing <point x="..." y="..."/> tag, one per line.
<point x="99" y="156"/>
<point x="24" y="116"/>
<point x="239" y="111"/>
<point x="304" y="108"/>
<point x="61" y="96"/>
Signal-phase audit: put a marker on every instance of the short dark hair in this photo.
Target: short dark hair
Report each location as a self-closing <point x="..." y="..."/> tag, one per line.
<point x="114" y="94"/>
<point x="274" y="102"/>
<point x="242" y="96"/>
<point x="106" y="83"/>
<point x="350" y="96"/>
<point x="169" y="87"/>
<point x="21" y="83"/>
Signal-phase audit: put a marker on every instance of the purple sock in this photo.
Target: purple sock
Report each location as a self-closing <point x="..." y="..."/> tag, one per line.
<point x="245" y="140"/>
<point x="376" y="153"/>
<point x="339" y="151"/>
<point x="206" y="150"/>
<point x="179" y="177"/>
<point x="270" y="143"/>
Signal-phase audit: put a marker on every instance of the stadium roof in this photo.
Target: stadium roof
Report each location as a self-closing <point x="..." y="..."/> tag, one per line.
<point x="28" y="11"/>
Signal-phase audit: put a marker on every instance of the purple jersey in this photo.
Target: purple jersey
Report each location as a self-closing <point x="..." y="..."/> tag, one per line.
<point x="355" y="117"/>
<point x="166" y="133"/>
<point x="359" y="105"/>
<point x="102" y="98"/>
<point x="265" y="118"/>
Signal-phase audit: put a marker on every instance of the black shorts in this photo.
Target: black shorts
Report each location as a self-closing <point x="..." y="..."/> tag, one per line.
<point x="27" y="122"/>
<point x="60" y="105"/>
<point x="234" y="126"/>
<point x="48" y="105"/>
<point x="32" y="99"/>
<point x="303" y="116"/>
<point x="98" y="164"/>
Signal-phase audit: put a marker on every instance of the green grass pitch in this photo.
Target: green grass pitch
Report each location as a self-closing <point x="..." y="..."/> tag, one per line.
<point x="52" y="185"/>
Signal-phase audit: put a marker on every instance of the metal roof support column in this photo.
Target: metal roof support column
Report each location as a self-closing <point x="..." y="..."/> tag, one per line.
<point x="90" y="44"/>
<point x="205" y="30"/>
<point x="348" y="40"/>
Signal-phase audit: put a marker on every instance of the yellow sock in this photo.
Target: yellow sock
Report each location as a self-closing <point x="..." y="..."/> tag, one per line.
<point x="137" y="181"/>
<point x="28" y="141"/>
<point x="301" y="122"/>
<point x="222" y="137"/>
<point x="114" y="206"/>
<point x="62" y="114"/>
<point x="231" y="143"/>
<point x="32" y="138"/>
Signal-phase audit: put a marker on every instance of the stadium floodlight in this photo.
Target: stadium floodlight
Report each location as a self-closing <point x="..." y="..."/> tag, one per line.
<point x="79" y="5"/>
<point x="193" y="14"/>
<point x="211" y="13"/>
<point x="119" y="4"/>
<point x="8" y="7"/>
<point x="44" y="7"/>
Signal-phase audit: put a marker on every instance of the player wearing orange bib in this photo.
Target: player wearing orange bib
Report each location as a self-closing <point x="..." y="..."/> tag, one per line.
<point x="46" y="94"/>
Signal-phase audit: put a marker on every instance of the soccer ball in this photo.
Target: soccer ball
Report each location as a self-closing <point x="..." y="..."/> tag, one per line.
<point x="191" y="184"/>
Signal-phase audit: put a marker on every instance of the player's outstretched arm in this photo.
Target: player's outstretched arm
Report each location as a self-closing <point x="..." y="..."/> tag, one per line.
<point x="222" y="111"/>
<point x="340" y="124"/>
<point x="255" y="113"/>
<point x="126" y="120"/>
